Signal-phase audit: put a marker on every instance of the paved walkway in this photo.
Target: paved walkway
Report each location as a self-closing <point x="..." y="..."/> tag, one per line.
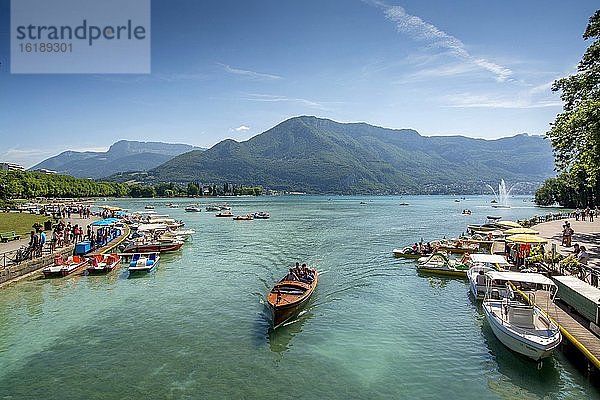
<point x="586" y="234"/>
<point x="16" y="244"/>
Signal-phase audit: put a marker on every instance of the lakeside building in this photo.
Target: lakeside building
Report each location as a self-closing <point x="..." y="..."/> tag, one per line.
<point x="45" y="171"/>
<point x="11" y="167"/>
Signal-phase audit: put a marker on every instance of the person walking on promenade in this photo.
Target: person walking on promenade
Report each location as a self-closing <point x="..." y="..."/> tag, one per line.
<point x="567" y="234"/>
<point x="592" y="212"/>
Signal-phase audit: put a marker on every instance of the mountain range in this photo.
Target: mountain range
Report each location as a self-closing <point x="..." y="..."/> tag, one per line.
<point x="322" y="156"/>
<point x="122" y="156"/>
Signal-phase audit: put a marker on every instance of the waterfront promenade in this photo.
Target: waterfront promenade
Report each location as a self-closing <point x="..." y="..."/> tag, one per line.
<point x="586" y="234"/>
<point x="17" y="244"/>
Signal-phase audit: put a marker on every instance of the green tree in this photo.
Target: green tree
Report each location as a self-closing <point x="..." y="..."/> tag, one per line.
<point x="192" y="189"/>
<point x="575" y="133"/>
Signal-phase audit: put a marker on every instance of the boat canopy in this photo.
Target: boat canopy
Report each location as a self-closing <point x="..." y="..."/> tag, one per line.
<point x="158" y="216"/>
<point x="520" y="277"/>
<point x="162" y="221"/>
<point x="105" y="222"/>
<point x="152" y="227"/>
<point x="488" y="258"/>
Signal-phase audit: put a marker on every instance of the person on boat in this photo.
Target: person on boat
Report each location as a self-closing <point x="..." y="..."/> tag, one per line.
<point x="291" y="276"/>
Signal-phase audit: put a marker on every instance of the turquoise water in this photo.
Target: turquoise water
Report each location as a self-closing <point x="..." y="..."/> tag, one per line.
<point x="198" y="326"/>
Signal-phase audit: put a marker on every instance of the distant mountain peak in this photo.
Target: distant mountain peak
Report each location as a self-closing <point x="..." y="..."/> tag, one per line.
<point x="122" y="156"/>
<point x="313" y="154"/>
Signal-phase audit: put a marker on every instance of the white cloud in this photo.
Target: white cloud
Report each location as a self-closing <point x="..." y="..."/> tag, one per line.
<point x="275" y="98"/>
<point x="249" y="74"/>
<point x="466" y="100"/>
<point x="242" y="128"/>
<point x="423" y="31"/>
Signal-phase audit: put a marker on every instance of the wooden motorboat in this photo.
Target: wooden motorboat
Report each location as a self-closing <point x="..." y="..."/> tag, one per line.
<point x="288" y="296"/>
<point x="103" y="263"/>
<point x="143" y="262"/>
<point x="438" y="263"/>
<point x="521" y="326"/>
<point x="64" y="266"/>
<point x="153" y="247"/>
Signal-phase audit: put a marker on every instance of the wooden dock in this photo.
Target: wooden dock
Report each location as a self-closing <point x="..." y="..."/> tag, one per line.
<point x="579" y="335"/>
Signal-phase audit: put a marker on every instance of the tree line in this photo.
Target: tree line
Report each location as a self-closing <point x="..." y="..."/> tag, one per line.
<point x="28" y="185"/>
<point x="575" y="133"/>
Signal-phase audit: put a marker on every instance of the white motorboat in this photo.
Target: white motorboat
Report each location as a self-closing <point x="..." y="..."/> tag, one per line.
<point x="521" y="326"/>
<point x="143" y="263"/>
<point x="479" y="265"/>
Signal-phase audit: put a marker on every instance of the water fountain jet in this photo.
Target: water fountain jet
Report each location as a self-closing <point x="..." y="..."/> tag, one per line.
<point x="502" y="195"/>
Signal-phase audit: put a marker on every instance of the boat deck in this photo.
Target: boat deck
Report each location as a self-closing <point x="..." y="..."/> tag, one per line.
<point x="572" y="330"/>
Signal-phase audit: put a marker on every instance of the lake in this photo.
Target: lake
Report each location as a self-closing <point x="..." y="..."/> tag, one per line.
<point x="198" y="328"/>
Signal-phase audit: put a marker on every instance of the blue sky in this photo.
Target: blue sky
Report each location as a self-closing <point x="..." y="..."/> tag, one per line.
<point x="233" y="69"/>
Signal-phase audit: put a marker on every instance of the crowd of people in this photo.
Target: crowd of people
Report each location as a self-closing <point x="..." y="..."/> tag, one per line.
<point x="62" y="235"/>
<point x="68" y="210"/>
<point x="301" y="274"/>
<point x="586" y="214"/>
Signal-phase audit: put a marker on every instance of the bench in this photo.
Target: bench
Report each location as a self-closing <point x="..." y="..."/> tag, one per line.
<point x="6" y="236"/>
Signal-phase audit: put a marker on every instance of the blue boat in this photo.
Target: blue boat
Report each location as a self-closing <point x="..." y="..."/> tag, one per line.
<point x="143" y="262"/>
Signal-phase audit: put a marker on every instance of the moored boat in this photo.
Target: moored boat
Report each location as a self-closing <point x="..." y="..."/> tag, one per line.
<point x="64" y="266"/>
<point x="193" y="208"/>
<point x="521" y="326"/>
<point x="440" y="264"/>
<point x="102" y="263"/>
<point x="143" y="263"/>
<point x="261" y="215"/>
<point x="289" y="295"/>
<point x="458" y="247"/>
<point x="407" y="252"/>
<point x="479" y="265"/>
<point x="153" y="247"/>
<point x="224" y="214"/>
<point x="246" y="217"/>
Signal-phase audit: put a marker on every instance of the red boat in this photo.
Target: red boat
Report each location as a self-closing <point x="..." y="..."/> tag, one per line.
<point x="153" y="247"/>
<point x="103" y="263"/>
<point x="64" y="266"/>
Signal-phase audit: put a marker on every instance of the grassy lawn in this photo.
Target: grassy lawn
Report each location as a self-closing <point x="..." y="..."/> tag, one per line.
<point x="19" y="222"/>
